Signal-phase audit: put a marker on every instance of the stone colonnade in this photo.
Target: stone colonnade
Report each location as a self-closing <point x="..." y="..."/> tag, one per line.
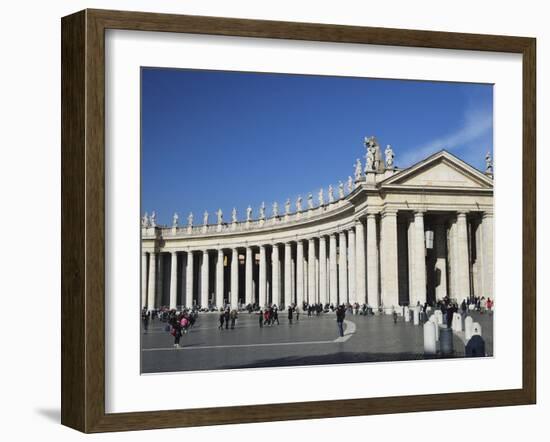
<point x="360" y="263"/>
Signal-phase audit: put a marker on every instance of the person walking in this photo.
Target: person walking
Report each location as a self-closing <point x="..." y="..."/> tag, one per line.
<point x="176" y="332"/>
<point x="275" y="315"/>
<point x="289" y="314"/>
<point x="222" y="319"/>
<point x="297" y="313"/>
<point x="233" y="316"/>
<point x="340" y="315"/>
<point x="261" y="317"/>
<point x="226" y="317"/>
<point x="145" y="315"/>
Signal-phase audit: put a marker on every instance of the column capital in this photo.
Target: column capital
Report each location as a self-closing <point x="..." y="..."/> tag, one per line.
<point x="389" y="211"/>
<point x="462" y="213"/>
<point x="418" y="212"/>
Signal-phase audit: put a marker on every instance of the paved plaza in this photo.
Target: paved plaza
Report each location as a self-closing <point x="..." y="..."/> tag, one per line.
<point x="309" y="341"/>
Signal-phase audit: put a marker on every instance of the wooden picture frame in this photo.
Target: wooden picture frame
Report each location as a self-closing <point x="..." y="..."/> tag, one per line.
<point x="83" y="220"/>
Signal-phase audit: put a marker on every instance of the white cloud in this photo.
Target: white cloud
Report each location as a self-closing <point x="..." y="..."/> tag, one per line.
<point x="476" y="124"/>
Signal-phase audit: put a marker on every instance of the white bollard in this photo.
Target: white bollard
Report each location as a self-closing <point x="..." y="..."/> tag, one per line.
<point x="468" y="328"/>
<point x="476" y="329"/>
<point x="434" y="320"/>
<point x="407" y="314"/>
<point x="457" y="322"/>
<point x="429" y="338"/>
<point x="416" y="316"/>
<point x="439" y="317"/>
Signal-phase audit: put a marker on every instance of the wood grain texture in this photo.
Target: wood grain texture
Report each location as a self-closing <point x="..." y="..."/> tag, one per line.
<point x="73" y="253"/>
<point x="83" y="220"/>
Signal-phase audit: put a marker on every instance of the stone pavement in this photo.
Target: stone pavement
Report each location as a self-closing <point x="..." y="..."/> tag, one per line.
<point x="309" y="341"/>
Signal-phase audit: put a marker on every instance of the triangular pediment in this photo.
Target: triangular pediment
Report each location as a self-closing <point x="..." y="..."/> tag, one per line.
<point x="440" y="170"/>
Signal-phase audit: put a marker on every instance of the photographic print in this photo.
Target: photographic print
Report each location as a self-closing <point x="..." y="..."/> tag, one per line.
<point x="302" y="220"/>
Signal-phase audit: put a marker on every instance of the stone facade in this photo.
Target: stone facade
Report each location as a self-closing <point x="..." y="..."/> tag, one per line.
<point x="367" y="245"/>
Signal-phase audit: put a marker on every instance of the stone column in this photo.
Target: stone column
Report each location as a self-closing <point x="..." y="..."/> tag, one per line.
<point x="411" y="255"/>
<point x="173" y="280"/>
<point x="323" y="298"/>
<point x="248" y="275"/>
<point x="419" y="260"/>
<point x="152" y="281"/>
<point x="312" y="296"/>
<point x="219" y="280"/>
<point x="463" y="264"/>
<point x="360" y="263"/>
<point x="343" y="269"/>
<point x="188" y="302"/>
<point x="487" y="256"/>
<point x="143" y="279"/>
<point x="205" y="270"/>
<point x="288" y="275"/>
<point x="300" y="273"/>
<point x="234" y="278"/>
<point x="388" y="260"/>
<point x="453" y="260"/>
<point x="440" y="260"/>
<point x="351" y="266"/>
<point x="275" y="276"/>
<point x="160" y="280"/>
<point x="263" y="278"/>
<point x="333" y="270"/>
<point x="372" y="262"/>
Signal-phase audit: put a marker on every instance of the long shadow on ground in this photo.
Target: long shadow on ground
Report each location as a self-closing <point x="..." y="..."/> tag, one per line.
<point x="340" y="358"/>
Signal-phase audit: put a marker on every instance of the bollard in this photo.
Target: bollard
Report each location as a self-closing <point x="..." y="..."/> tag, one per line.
<point x="476" y="329"/>
<point x="457" y="322"/>
<point x="416" y="319"/>
<point x="468" y="327"/>
<point x="446" y="341"/>
<point x="429" y="338"/>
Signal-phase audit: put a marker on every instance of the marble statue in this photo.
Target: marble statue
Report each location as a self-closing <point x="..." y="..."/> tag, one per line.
<point x="262" y="211"/>
<point x="220" y="216"/>
<point x="234" y="215"/>
<point x="145" y="220"/>
<point x="321" y="197"/>
<point x="190" y="219"/>
<point x="350" y="184"/>
<point x="275" y="209"/>
<point x="488" y="163"/>
<point x="358" y="167"/>
<point x="309" y="201"/>
<point x="287" y="206"/>
<point x="389" y="156"/>
<point x="330" y="194"/>
<point x="249" y="213"/>
<point x="175" y="219"/>
<point x="341" y="190"/>
<point x="299" y="204"/>
<point x="153" y="219"/>
<point x="205" y="218"/>
<point x="371" y="161"/>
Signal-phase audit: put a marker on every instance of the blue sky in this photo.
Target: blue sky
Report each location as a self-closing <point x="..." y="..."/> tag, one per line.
<point x="216" y="139"/>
